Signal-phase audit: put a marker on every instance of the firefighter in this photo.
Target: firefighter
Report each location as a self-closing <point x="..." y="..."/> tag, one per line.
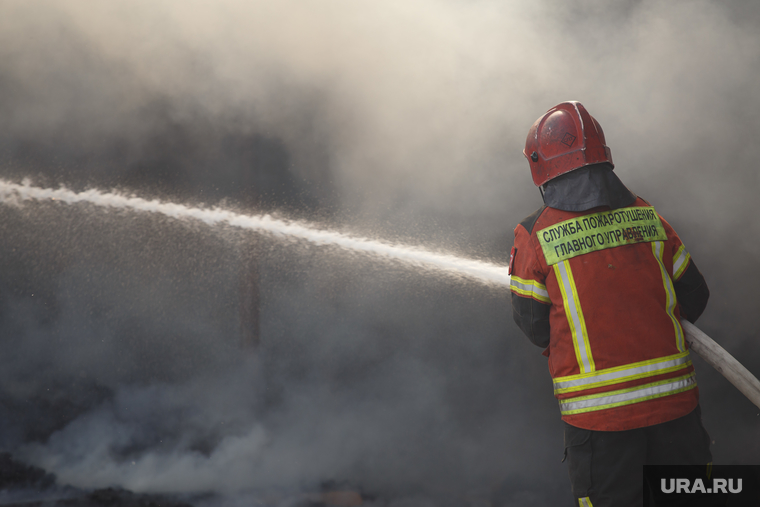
<point x="600" y="281"/>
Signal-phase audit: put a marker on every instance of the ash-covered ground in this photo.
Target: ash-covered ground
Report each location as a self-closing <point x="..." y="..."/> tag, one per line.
<point x="126" y="372"/>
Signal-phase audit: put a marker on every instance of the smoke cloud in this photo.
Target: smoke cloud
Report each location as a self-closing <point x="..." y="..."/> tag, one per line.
<point x="401" y="120"/>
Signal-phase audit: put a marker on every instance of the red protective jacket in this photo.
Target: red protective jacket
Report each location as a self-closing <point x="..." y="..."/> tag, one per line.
<point x="600" y="288"/>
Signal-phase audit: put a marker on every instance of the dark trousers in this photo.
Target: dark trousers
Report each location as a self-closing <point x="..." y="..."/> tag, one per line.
<point x="606" y="467"/>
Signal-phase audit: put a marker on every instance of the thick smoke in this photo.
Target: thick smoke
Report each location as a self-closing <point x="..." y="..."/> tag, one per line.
<point x="404" y="120"/>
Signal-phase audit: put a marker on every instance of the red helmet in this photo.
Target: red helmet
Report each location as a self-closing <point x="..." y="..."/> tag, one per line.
<point x="565" y="138"/>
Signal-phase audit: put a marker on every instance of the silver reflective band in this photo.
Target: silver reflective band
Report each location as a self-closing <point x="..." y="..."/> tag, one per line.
<point x="572" y="306"/>
<point x="679" y="262"/>
<point x="670" y="295"/>
<point x="529" y="288"/>
<point x="621" y="375"/>
<point x="628" y="396"/>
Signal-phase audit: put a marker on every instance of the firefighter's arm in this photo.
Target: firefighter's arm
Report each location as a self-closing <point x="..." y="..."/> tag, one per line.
<point x="691" y="292"/>
<point x="530" y="299"/>
<point x="690" y="286"/>
<point x="533" y="319"/>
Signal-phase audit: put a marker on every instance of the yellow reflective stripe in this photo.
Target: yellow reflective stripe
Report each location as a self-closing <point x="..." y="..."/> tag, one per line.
<point x="670" y="294"/>
<point x="529" y="288"/>
<point x="638" y="394"/>
<point x="680" y="261"/>
<point x="622" y="367"/>
<point x="585" y="502"/>
<point x="574" y="315"/>
<point x="620" y="374"/>
<point x="622" y="380"/>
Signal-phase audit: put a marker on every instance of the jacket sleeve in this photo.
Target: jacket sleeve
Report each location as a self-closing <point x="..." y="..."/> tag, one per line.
<point x="530" y="299"/>
<point x="691" y="292"/>
<point x="690" y="286"/>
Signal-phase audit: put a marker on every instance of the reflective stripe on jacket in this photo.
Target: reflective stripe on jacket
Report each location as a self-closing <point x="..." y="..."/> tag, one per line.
<point x="617" y="353"/>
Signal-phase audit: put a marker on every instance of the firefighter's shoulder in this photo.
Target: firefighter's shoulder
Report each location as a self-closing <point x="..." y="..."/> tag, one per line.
<point x="530" y="221"/>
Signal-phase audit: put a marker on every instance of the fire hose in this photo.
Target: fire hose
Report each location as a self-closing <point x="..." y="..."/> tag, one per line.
<point x="717" y="357"/>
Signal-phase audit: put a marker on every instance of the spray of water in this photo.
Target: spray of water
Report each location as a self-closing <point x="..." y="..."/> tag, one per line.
<point x="452" y="265"/>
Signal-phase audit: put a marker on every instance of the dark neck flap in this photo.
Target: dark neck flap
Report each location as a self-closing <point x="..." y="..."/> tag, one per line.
<point x="586" y="188"/>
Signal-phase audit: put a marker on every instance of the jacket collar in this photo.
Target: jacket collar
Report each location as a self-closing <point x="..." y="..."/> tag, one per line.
<point x="586" y="188"/>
